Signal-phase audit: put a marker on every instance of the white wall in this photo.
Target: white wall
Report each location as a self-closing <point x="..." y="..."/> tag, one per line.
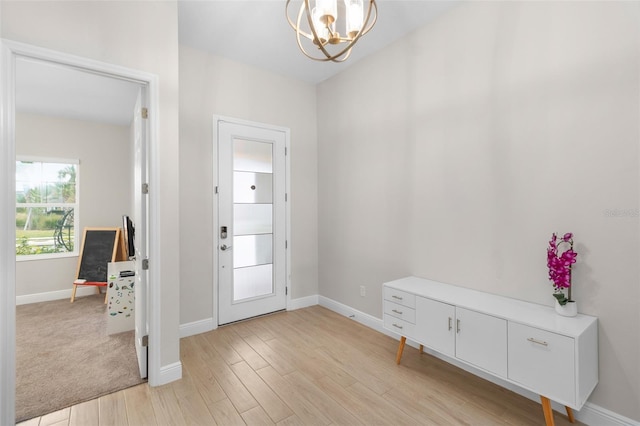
<point x="475" y="139"/>
<point x="212" y="85"/>
<point x="105" y="185"/>
<point x="141" y="35"/>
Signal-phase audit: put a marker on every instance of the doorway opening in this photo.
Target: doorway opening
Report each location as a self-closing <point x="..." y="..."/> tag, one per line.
<point x="141" y="172"/>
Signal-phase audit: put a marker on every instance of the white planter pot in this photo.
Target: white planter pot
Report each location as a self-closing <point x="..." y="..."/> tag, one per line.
<point x="569" y="309"/>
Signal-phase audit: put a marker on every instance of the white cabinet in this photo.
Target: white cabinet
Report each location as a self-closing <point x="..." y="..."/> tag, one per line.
<point x="481" y="340"/>
<point x="399" y="311"/>
<point x="522" y="343"/>
<point x="435" y="324"/>
<point x="544" y="361"/>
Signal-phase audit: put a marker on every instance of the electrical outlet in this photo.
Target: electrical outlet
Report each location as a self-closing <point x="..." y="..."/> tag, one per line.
<point x="363" y="291"/>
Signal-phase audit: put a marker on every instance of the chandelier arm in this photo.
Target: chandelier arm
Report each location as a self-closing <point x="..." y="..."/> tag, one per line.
<point x="372" y="7"/>
<point x="306" y="7"/>
<point x="299" y="41"/>
<point x="293" y="26"/>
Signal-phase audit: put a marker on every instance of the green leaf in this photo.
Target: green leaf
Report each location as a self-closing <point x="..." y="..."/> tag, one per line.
<point x="562" y="299"/>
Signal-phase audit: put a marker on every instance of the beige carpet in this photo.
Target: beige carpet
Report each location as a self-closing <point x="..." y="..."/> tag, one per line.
<point x="64" y="356"/>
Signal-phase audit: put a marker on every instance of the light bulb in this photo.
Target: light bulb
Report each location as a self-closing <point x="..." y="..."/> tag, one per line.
<point x="354" y="17"/>
<point x="327" y="11"/>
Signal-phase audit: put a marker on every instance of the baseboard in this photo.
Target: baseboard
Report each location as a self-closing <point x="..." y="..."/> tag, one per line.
<point x="208" y="324"/>
<point x="590" y="414"/>
<point x="54" y="295"/>
<point x="169" y="373"/>
<point x="197" y="327"/>
<point x="302" y="302"/>
<point x="349" y="312"/>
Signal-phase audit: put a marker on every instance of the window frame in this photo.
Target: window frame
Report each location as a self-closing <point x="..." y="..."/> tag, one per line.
<point x="75" y="206"/>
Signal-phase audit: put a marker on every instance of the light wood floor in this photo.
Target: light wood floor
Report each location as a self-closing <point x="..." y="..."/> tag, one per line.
<point x="306" y="367"/>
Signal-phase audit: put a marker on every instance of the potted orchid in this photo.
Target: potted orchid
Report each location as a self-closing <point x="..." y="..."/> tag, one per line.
<point x="560" y="257"/>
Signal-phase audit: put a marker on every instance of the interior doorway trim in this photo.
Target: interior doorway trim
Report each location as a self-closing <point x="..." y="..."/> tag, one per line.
<point x="12" y="50"/>
<point x="216" y="238"/>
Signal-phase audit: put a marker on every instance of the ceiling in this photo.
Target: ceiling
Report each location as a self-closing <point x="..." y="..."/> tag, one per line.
<point x="257" y="32"/>
<point x="254" y="32"/>
<point x="51" y="89"/>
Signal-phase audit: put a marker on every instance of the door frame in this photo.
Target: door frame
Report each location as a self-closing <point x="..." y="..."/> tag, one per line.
<point x="217" y="119"/>
<point x="11" y="50"/>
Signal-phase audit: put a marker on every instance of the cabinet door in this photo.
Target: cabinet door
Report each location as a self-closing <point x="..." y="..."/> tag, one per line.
<point x="543" y="361"/>
<point x="481" y="340"/>
<point x="435" y="325"/>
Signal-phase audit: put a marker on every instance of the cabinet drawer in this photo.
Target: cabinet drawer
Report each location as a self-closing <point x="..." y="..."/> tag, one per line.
<point x="400" y="297"/>
<point x="399" y="311"/>
<point x="399" y="326"/>
<point x="542" y="361"/>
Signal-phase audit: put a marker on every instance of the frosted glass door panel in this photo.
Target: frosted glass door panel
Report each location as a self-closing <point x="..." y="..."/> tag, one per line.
<point x="251" y="187"/>
<point x="252" y="250"/>
<point x="251" y="219"/>
<point x="252" y="166"/>
<point x="252" y="282"/>
<point x="252" y="156"/>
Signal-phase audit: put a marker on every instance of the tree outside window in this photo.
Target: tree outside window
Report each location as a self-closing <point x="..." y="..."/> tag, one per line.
<point x="46" y="207"/>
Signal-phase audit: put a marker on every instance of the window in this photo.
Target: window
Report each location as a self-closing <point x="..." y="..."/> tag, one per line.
<point x="46" y="208"/>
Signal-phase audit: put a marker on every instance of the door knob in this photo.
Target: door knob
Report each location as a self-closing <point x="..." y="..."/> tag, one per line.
<point x="225" y="247"/>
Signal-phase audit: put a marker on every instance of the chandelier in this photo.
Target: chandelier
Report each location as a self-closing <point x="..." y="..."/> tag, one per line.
<point x="318" y="29"/>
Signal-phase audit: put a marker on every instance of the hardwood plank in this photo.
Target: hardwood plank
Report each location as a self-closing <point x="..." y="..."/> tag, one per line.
<point x="365" y="404"/>
<point x="56" y="417"/>
<point x="320" y="399"/>
<point x="139" y="407"/>
<point x="268" y="400"/>
<point x="166" y="406"/>
<point x="361" y="371"/>
<point x="226" y="414"/>
<point x="257" y="417"/>
<point x="244" y="350"/>
<point x="113" y="410"/>
<point x="304" y="409"/>
<point x="307" y="359"/>
<point x="219" y="341"/>
<point x="194" y="409"/>
<point x="257" y="326"/>
<point x="274" y="359"/>
<point x="228" y="381"/>
<point x="203" y="378"/>
<point x="291" y="421"/>
<point x="85" y="414"/>
<point x="31" y="422"/>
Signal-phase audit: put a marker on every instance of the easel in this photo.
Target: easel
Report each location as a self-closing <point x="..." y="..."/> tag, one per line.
<point x="90" y="258"/>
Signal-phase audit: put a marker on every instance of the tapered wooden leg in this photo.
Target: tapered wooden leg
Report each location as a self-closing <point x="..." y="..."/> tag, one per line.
<point x="421" y="349"/>
<point x="403" y="340"/>
<point x="98" y="290"/>
<point x="570" y="414"/>
<point x="73" y="293"/>
<point x="548" y="412"/>
<point x="105" y="297"/>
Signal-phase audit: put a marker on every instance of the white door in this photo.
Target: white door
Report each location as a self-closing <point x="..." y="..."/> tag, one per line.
<point x="140" y="220"/>
<point x="251" y="225"/>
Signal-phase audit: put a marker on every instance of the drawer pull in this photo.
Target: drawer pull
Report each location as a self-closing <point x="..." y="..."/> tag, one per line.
<point x="397" y="311"/>
<point x="457" y="326"/>
<point x="538" y="342"/>
<point x="397" y="297"/>
<point x="397" y="326"/>
<point x="449" y="323"/>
